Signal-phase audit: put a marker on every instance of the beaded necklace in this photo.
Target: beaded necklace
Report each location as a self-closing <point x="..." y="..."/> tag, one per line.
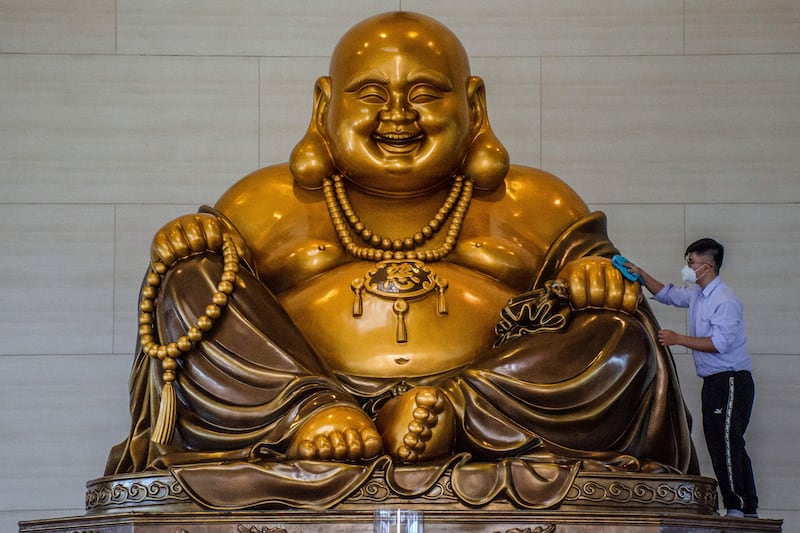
<point x="345" y="219"/>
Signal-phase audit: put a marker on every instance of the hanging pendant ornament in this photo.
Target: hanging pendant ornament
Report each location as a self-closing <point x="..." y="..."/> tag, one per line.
<point x="401" y="281"/>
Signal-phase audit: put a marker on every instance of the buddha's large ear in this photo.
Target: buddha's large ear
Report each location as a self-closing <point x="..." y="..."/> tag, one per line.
<point x="486" y="162"/>
<point x="311" y="160"/>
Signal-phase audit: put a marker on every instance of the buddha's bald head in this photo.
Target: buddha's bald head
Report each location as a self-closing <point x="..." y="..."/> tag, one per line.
<point x="400" y="33"/>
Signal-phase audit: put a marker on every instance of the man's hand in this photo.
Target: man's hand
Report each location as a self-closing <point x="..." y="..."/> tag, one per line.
<point x="594" y="283"/>
<point x="191" y="234"/>
<point x="667" y="337"/>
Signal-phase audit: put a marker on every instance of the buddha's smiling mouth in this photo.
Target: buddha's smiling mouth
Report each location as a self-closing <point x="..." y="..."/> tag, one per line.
<point x="398" y="142"/>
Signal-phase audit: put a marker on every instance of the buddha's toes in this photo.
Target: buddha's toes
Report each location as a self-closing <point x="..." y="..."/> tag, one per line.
<point x="423" y="426"/>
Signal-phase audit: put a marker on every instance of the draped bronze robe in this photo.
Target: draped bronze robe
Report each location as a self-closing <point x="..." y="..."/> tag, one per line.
<point x="597" y="393"/>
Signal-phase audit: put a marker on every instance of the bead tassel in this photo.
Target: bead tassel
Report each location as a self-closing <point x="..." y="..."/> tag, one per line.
<point x="164" y="429"/>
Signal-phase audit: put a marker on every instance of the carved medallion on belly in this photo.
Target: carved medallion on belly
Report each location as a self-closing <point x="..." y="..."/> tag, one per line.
<point x="401" y="281"/>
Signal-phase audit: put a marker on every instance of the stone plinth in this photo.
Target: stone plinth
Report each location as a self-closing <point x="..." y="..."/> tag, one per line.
<point x="661" y="493"/>
<point x="608" y="502"/>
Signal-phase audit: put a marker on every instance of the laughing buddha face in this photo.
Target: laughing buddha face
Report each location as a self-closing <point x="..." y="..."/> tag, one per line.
<point x="399" y="117"/>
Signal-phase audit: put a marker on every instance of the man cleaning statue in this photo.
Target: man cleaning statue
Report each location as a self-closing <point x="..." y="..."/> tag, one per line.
<point x="397" y="297"/>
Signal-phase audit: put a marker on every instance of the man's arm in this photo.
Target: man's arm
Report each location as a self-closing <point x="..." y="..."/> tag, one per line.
<point x="667" y="337"/>
<point x="652" y="284"/>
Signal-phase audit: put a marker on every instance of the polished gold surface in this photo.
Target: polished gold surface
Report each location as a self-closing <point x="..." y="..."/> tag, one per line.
<point x="408" y="298"/>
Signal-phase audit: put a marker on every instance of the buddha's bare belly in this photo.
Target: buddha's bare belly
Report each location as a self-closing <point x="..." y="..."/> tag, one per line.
<point x="388" y="341"/>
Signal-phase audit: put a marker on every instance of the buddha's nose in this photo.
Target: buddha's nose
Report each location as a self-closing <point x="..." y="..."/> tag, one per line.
<point x="398" y="110"/>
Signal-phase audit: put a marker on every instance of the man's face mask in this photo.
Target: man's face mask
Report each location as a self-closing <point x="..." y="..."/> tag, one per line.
<point x="689" y="275"/>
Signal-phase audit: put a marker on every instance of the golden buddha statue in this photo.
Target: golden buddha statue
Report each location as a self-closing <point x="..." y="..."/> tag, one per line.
<point x="397" y="294"/>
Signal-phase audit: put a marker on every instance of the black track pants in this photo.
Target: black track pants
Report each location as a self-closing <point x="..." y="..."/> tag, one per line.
<point x="727" y="400"/>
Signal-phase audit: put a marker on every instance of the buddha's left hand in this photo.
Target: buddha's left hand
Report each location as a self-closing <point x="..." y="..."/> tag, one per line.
<point x="595" y="283"/>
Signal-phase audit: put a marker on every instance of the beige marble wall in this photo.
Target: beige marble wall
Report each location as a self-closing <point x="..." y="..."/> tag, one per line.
<point x="679" y="118"/>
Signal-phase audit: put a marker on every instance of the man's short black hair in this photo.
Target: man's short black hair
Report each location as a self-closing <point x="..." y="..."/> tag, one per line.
<point x="708" y="247"/>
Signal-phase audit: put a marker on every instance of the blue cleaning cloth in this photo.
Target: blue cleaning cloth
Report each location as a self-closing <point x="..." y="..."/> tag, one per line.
<point x="619" y="262"/>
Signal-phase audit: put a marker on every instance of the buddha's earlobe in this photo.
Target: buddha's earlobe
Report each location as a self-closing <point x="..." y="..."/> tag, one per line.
<point x="486" y="162"/>
<point x="310" y="161"/>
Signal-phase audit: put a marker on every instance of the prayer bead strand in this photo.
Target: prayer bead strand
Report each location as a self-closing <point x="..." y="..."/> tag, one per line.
<point x="163" y="430"/>
<point x="204" y="323"/>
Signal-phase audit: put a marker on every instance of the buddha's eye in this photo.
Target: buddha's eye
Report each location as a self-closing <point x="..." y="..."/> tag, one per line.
<point x="424" y="93"/>
<point x="372" y="94"/>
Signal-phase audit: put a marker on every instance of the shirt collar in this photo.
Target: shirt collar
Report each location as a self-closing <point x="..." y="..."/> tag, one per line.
<point x="711" y="286"/>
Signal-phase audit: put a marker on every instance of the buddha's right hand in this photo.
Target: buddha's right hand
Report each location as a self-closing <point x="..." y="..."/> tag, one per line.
<point x="191" y="234"/>
<point x="594" y="283"/>
<point x="337" y="433"/>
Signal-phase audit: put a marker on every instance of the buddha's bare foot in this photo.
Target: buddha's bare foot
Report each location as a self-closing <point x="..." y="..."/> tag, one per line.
<point x="417" y="426"/>
<point x="336" y="434"/>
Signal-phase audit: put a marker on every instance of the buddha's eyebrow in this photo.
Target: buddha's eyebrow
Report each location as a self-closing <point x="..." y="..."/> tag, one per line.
<point x="366" y="78"/>
<point x="434" y="77"/>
